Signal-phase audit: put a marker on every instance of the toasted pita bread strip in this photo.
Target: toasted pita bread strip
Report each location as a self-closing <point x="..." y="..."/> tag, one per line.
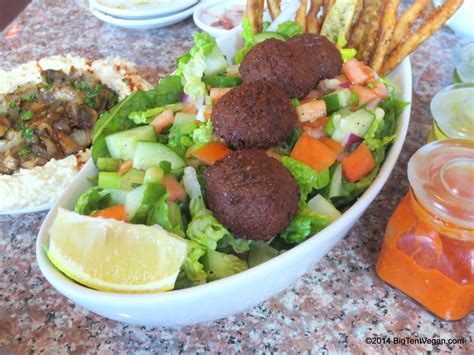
<point x="389" y="21"/>
<point x="327" y="4"/>
<point x="369" y="14"/>
<point x="407" y="20"/>
<point x="339" y="19"/>
<point x="357" y="13"/>
<point x="274" y="7"/>
<point x="436" y="18"/>
<point x="254" y="12"/>
<point x="370" y="36"/>
<point x="312" y="23"/>
<point x="300" y="17"/>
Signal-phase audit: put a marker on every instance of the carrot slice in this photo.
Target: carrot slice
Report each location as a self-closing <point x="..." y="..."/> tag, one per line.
<point x="115" y="212"/>
<point x="164" y="119"/>
<point x="335" y="146"/>
<point x="211" y="152"/>
<point x="190" y="108"/>
<point x="173" y="188"/>
<point x="356" y="72"/>
<point x="358" y="163"/>
<point x="207" y="113"/>
<point x="217" y="93"/>
<point x="313" y="153"/>
<point x="124" y="167"/>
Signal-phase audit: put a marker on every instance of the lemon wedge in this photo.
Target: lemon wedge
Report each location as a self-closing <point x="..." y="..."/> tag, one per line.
<point x="109" y="255"/>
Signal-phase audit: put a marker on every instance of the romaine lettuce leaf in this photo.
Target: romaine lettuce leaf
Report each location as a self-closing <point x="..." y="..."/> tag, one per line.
<point x="289" y="29"/>
<point x="204" y="133"/>
<point x="192" y="267"/>
<point x="159" y="214"/>
<point x="305" y="224"/>
<point x="93" y="200"/>
<point x="346" y="53"/>
<point x="307" y="178"/>
<point x="145" y="117"/>
<point x="249" y="39"/>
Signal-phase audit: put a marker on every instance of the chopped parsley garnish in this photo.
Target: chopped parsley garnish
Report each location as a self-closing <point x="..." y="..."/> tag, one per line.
<point x="26" y="115"/>
<point x="46" y="85"/>
<point x="92" y="94"/>
<point x="30" y="98"/>
<point x="354" y="99"/>
<point x="13" y="104"/>
<point x="23" y="152"/>
<point x="81" y="85"/>
<point x="28" y="132"/>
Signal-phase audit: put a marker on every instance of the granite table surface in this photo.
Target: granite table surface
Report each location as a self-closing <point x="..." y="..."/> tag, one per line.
<point x="333" y="308"/>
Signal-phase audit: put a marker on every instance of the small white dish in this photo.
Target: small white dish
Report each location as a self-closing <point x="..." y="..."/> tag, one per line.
<point x="29" y="209"/>
<point x="236" y="293"/>
<point x="144" y="24"/>
<point x="129" y="9"/>
<point x="218" y="17"/>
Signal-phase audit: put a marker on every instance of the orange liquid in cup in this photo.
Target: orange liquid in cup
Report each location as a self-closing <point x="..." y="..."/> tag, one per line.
<point x="425" y="254"/>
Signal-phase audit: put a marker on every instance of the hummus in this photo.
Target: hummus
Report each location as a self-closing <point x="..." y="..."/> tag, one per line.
<point x="42" y="185"/>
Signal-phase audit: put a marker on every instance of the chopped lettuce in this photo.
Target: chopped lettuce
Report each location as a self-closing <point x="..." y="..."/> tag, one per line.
<point x="180" y="136"/>
<point x="145" y="117"/>
<point x="220" y="265"/>
<point x="93" y="200"/>
<point x="307" y="178"/>
<point x="192" y="266"/>
<point x="204" y="57"/>
<point x="346" y="53"/>
<point x="289" y="29"/>
<point x="249" y="39"/>
<point x="305" y="224"/>
<point x="160" y="214"/>
<point x="168" y="91"/>
<point x="229" y="243"/>
<point x="204" y="133"/>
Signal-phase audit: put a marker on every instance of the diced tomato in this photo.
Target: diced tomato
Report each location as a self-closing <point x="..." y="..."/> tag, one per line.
<point x="342" y="78"/>
<point x="355" y="72"/>
<point x="211" y="152"/>
<point x="310" y="110"/>
<point x="313" y="153"/>
<point x="115" y="212"/>
<point x="190" y="108"/>
<point x="273" y="154"/>
<point x="358" y="163"/>
<point x="380" y="89"/>
<point x="163" y="120"/>
<point x="364" y="94"/>
<point x="315" y="128"/>
<point x="369" y="72"/>
<point x="313" y="94"/>
<point x="125" y="167"/>
<point x="173" y="188"/>
<point x="335" y="146"/>
<point x="374" y="103"/>
<point x="207" y="113"/>
<point x="217" y="93"/>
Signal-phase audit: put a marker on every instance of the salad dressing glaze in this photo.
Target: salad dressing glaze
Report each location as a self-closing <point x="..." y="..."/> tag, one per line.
<point x="428" y="250"/>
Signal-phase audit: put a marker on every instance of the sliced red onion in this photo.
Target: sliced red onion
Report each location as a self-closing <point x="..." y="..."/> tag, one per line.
<point x="351" y="139"/>
<point x="374" y="103"/>
<point x="184" y="98"/>
<point x="345" y="85"/>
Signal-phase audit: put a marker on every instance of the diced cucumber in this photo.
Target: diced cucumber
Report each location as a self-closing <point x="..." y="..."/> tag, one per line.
<point x="132" y="179"/>
<point x="174" y="214"/>
<point x="335" y="187"/>
<point x="260" y="252"/>
<point x="337" y="100"/>
<point x="220" y="81"/>
<point x="260" y="37"/>
<point x="320" y="205"/>
<point x="183" y="118"/>
<point x="215" y="62"/>
<point x="342" y="123"/>
<point x="219" y="265"/>
<point x="148" y="154"/>
<point x="140" y="200"/>
<point x="108" y="164"/>
<point x="109" y="180"/>
<point x="153" y="175"/>
<point x="122" y="144"/>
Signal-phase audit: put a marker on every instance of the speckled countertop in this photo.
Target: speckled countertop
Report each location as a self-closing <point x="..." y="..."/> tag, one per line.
<point x="357" y="304"/>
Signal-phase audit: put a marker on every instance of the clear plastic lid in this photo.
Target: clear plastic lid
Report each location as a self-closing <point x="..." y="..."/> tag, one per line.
<point x="441" y="175"/>
<point x="453" y="110"/>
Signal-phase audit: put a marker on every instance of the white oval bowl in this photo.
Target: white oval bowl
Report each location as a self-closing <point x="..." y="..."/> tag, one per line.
<point x="213" y="5"/>
<point x="233" y="294"/>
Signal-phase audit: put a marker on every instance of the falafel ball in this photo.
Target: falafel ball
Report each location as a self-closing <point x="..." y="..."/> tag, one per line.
<point x="324" y="56"/>
<point x="256" y="115"/>
<point x="279" y="63"/>
<point x="251" y="194"/>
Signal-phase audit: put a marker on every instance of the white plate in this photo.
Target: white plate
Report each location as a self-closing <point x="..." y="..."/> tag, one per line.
<point x="146" y="23"/>
<point x="204" y="14"/>
<point x="141" y="9"/>
<point x="233" y="294"/>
